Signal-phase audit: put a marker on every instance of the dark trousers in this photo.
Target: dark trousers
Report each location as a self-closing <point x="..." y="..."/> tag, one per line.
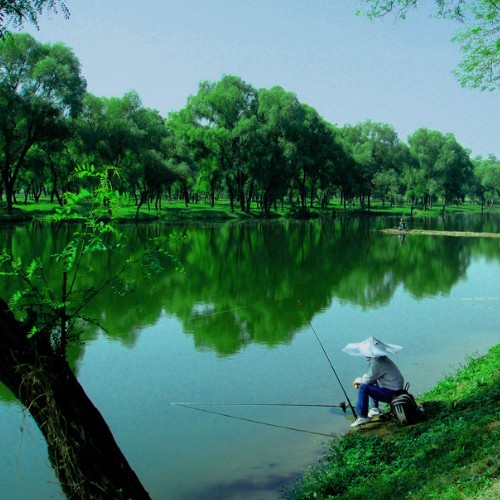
<point x="375" y="392"/>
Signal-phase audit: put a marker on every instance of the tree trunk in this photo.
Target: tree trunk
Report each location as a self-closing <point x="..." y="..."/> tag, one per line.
<point x="9" y="196"/>
<point x="86" y="459"/>
<point x="212" y="195"/>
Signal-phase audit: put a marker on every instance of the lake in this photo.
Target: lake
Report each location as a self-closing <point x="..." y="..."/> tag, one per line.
<point x="238" y="326"/>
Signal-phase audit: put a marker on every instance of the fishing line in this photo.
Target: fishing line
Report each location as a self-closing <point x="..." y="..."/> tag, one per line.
<point x="269" y="424"/>
<point x="482" y="301"/>
<point x="342" y="405"/>
<point x="481" y="298"/>
<point x="217" y="313"/>
<point x="328" y="358"/>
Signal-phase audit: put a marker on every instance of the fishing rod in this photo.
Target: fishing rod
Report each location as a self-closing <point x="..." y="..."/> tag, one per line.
<point x="329" y="361"/>
<point x="341" y="405"/>
<point x="261" y="422"/>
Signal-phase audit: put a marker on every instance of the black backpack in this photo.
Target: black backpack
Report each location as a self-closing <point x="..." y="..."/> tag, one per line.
<point x="404" y="408"/>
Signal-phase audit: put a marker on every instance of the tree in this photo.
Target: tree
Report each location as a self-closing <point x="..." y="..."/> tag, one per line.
<point x="486" y="184"/>
<point x="17" y="12"/>
<point x="61" y="158"/>
<point x="386" y="185"/>
<point x="122" y="133"/>
<point x="34" y="347"/>
<point x="34" y="177"/>
<point x="445" y="168"/>
<point x="374" y="147"/>
<point x="83" y="452"/>
<point x="146" y="164"/>
<point x="212" y="120"/>
<point x="454" y="170"/>
<point x="271" y="136"/>
<point x="40" y="85"/>
<point x="425" y="146"/>
<point x="108" y="128"/>
<point x="316" y="154"/>
<point x="479" y="35"/>
<point x="412" y="182"/>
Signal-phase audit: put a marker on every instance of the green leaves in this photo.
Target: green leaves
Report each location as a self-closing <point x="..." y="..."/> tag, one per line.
<point x="41" y="88"/>
<point x="20" y="11"/>
<point x="479" y="36"/>
<point x="58" y="312"/>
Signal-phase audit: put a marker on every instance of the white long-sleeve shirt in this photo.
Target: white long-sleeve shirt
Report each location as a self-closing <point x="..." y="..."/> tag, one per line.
<point x="385" y="373"/>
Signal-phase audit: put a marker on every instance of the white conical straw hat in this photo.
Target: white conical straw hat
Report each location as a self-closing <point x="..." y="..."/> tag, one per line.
<point x="371" y="348"/>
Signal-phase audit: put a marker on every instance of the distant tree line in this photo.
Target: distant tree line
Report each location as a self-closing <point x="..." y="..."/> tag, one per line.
<point x="258" y="148"/>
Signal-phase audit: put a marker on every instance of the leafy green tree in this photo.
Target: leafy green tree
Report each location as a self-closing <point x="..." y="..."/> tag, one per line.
<point x="208" y="180"/>
<point x="212" y="119"/>
<point x="333" y="160"/>
<point x="40" y="85"/>
<point x="18" y="12"/>
<point x="35" y="346"/>
<point x="107" y="128"/>
<point x="61" y="159"/>
<point x="122" y="133"/>
<point x="413" y="183"/>
<point x="386" y="185"/>
<point x="455" y="170"/>
<point x="445" y="166"/>
<point x="374" y="147"/>
<point x="271" y="136"/>
<point x="478" y="37"/>
<point x="346" y="176"/>
<point x="425" y="146"/>
<point x="147" y="167"/>
<point x="35" y="176"/>
<point x="486" y="184"/>
<point x="317" y="154"/>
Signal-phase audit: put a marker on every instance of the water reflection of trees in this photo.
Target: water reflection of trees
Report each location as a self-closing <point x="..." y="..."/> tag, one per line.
<point x="242" y="282"/>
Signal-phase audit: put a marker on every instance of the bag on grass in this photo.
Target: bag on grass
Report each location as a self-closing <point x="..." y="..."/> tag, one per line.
<point x="405" y="409"/>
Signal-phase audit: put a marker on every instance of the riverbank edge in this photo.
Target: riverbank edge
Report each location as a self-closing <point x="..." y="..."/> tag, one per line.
<point x="221" y="213"/>
<point x="453" y="453"/>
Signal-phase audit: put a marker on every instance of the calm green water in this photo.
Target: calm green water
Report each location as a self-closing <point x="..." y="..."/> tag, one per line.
<point x="230" y="330"/>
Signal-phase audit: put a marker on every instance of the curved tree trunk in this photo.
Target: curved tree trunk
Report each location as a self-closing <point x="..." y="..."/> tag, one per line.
<point x="86" y="459"/>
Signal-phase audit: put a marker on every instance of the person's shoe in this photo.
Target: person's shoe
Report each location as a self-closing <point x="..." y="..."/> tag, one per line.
<point x="374" y="412"/>
<point x="360" y="421"/>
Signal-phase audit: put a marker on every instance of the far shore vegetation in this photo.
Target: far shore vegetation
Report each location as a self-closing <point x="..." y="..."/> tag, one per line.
<point x="262" y="150"/>
<point x="177" y="211"/>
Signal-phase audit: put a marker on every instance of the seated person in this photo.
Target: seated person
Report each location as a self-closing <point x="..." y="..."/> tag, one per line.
<point x="382" y="382"/>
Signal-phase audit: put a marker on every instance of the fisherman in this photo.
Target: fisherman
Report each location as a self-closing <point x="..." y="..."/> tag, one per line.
<point x="382" y="382"/>
<point x="402" y="223"/>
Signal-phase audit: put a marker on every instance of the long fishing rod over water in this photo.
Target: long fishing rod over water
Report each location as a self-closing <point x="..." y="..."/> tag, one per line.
<point x="341" y="405"/>
<point x="251" y="420"/>
<point x="329" y="361"/>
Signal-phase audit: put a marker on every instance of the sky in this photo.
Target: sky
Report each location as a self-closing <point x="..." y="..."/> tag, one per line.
<point x="349" y="68"/>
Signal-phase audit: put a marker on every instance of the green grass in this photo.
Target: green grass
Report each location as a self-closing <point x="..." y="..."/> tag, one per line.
<point x="177" y="212"/>
<point x="454" y="453"/>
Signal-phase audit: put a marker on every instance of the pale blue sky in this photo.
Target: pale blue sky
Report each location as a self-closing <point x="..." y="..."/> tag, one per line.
<point x="349" y="68"/>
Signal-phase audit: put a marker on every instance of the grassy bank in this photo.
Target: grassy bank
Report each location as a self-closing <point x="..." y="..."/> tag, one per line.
<point x="454" y="453"/>
<point x="177" y="212"/>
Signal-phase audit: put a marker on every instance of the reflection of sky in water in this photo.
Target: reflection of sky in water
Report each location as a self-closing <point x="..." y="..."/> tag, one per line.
<point x="180" y="453"/>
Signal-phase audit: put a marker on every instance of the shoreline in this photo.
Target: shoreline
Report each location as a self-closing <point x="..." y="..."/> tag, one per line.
<point x="452" y="452"/>
<point x="221" y="214"/>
